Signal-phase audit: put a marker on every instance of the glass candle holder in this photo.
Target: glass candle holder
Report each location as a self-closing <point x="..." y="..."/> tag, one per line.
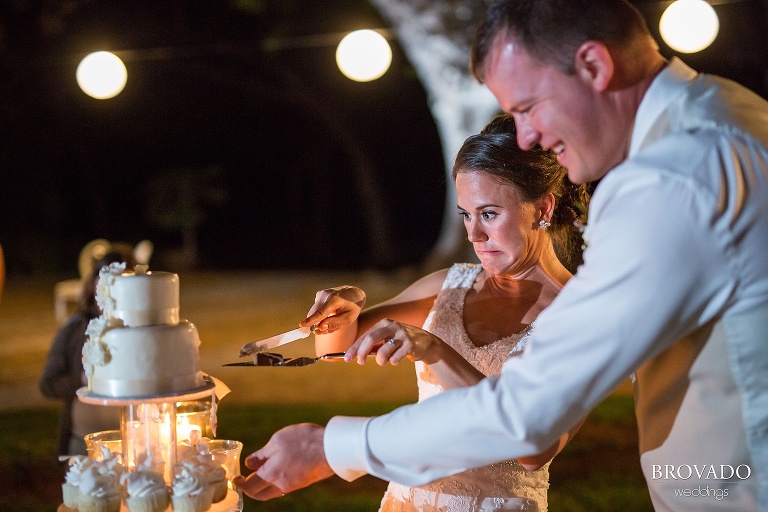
<point x="193" y="415"/>
<point x="147" y="433"/>
<point x="147" y="436"/>
<point x="226" y="452"/>
<point x="96" y="442"/>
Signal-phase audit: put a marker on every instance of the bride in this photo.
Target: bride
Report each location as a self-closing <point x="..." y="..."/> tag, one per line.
<point x="519" y="212"/>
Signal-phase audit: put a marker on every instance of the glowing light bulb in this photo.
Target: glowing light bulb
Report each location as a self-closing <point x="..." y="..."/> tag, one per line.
<point x="689" y="26"/>
<point x="363" y="55"/>
<point x="101" y="75"/>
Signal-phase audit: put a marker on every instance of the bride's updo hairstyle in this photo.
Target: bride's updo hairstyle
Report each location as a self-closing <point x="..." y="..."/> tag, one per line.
<point x="533" y="173"/>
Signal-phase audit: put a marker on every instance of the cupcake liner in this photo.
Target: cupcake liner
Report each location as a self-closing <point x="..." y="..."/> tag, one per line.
<point x="219" y="490"/>
<point x="87" y="503"/>
<point x="155" y="501"/>
<point x="69" y="494"/>
<point x="193" y="502"/>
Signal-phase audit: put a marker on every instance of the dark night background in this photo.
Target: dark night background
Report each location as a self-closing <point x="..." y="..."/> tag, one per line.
<point x="241" y="103"/>
<point x="279" y="132"/>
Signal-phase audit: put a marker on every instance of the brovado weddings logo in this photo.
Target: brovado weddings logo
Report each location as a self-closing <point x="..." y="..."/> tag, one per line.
<point x="701" y="476"/>
<point x="723" y="472"/>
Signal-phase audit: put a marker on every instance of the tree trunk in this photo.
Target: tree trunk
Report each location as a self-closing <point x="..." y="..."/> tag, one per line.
<point x="436" y="35"/>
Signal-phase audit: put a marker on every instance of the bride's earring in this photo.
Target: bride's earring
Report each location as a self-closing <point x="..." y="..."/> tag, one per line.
<point x="544" y="224"/>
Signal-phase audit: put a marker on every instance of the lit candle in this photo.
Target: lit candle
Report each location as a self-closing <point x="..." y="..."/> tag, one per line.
<point x="184" y="429"/>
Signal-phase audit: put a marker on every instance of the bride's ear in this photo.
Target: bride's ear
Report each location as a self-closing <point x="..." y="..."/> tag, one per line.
<point x="594" y="64"/>
<point x="545" y="207"/>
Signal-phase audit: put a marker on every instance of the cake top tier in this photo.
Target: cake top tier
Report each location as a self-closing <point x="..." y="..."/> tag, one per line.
<point x="136" y="298"/>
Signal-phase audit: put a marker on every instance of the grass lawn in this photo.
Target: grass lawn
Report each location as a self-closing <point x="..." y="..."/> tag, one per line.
<point x="598" y="471"/>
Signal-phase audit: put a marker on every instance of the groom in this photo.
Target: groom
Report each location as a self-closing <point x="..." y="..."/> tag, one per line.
<point x="674" y="288"/>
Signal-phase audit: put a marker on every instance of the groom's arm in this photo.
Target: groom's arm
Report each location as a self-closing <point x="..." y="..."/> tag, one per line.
<point x="292" y="459"/>
<point x="628" y="302"/>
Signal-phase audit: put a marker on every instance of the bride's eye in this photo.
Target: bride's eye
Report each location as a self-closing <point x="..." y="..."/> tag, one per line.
<point x="488" y="215"/>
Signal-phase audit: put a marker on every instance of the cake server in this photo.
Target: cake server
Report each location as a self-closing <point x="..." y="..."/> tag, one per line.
<point x="255" y="347"/>
<point x="279" y="360"/>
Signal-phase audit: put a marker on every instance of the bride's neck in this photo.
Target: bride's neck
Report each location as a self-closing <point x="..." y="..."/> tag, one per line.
<point x="506" y="285"/>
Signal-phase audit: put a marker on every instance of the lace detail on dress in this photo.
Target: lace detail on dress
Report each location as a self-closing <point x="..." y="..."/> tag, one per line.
<point x="446" y="320"/>
<point x="503" y="486"/>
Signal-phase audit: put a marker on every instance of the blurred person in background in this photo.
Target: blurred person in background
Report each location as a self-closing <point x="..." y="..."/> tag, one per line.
<point x="2" y="272"/>
<point x="63" y="373"/>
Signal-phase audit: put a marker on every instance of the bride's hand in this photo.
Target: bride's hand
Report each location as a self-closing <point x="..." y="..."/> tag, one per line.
<point x="334" y="308"/>
<point x="395" y="341"/>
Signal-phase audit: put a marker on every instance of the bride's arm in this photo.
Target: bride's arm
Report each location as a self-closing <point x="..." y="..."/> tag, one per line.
<point x="450" y="368"/>
<point x="339" y="320"/>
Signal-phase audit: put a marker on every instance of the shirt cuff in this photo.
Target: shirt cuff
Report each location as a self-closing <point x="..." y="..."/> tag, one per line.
<point x="344" y="444"/>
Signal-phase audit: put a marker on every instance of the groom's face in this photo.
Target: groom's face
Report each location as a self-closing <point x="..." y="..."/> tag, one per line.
<point x="555" y="110"/>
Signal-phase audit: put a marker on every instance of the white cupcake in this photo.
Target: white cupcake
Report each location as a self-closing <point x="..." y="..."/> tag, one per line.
<point x="219" y="489"/>
<point x="214" y="473"/>
<point x="146" y="491"/>
<point x="98" y="491"/>
<point x="191" y="492"/>
<point x="77" y="464"/>
<point x="69" y="495"/>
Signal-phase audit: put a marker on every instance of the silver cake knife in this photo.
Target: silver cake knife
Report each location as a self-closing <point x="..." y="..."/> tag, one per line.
<point x="255" y="347"/>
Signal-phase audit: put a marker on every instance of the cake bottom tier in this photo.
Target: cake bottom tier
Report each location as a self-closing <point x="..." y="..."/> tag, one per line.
<point x="148" y="360"/>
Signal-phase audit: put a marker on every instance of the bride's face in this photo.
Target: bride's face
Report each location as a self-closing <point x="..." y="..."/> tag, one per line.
<point x="503" y="229"/>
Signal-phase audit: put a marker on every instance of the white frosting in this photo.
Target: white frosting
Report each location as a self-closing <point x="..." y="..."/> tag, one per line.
<point x="100" y="480"/>
<point x="140" y="483"/>
<point x="77" y="465"/>
<point x="188" y="479"/>
<point x="136" y="299"/>
<point x="109" y="462"/>
<point x="107" y="276"/>
<point x="149" y="360"/>
<point x="97" y="485"/>
<point x="139" y="347"/>
<point x="211" y="470"/>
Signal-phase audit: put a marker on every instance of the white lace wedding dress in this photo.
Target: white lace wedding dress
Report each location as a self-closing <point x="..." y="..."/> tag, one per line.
<point x="503" y="486"/>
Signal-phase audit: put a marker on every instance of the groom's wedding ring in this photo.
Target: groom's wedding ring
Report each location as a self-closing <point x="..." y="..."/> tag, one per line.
<point x="391" y="341"/>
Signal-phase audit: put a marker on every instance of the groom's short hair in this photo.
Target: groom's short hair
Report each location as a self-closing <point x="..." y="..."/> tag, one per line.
<point x="552" y="30"/>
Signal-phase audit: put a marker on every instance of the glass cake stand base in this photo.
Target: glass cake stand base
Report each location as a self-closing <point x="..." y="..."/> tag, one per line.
<point x="233" y="502"/>
<point x="88" y="397"/>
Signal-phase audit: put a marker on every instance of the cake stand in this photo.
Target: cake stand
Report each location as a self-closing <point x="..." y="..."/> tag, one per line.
<point x="204" y="391"/>
<point x="142" y="432"/>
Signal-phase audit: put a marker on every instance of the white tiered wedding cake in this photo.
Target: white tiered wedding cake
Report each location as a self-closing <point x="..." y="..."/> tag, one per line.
<point x="142" y="357"/>
<point x="138" y="346"/>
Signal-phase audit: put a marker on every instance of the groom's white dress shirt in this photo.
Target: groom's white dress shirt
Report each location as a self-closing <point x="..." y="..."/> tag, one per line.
<point x="674" y="288"/>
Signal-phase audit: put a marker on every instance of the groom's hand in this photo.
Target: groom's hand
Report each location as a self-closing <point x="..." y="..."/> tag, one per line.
<point x="292" y="459"/>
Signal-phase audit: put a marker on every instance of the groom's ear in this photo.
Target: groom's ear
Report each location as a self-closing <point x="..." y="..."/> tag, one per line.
<point x="594" y="65"/>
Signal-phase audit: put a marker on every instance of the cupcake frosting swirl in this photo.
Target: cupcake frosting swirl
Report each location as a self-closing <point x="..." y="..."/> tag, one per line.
<point x="142" y="483"/>
<point x="77" y="465"/>
<point x="211" y="470"/>
<point x="99" y="484"/>
<point x="188" y="480"/>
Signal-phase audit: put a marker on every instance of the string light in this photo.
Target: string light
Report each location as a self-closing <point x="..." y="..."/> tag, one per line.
<point x="689" y="26"/>
<point x="363" y="55"/>
<point x="101" y="75"/>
